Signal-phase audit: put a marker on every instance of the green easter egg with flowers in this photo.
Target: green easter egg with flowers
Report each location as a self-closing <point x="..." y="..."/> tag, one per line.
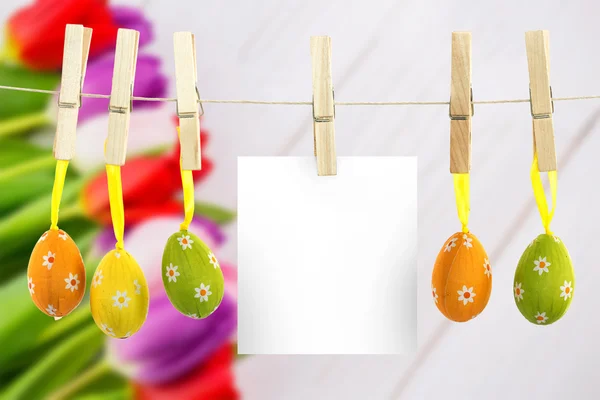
<point x="191" y="275"/>
<point x="544" y="281"/>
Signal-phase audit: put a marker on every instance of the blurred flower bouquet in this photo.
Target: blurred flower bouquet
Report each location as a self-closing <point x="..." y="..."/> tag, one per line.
<point x="172" y="357"/>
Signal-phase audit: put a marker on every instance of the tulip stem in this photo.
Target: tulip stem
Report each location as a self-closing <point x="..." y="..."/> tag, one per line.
<point x="27" y="167"/>
<point x="81" y="381"/>
<point x="72" y="211"/>
<point x="73" y="320"/>
<point x="215" y="213"/>
<point x="23" y="123"/>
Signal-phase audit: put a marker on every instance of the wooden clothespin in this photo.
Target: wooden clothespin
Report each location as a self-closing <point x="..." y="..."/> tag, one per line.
<point x="187" y="100"/>
<point x="121" y="96"/>
<point x="461" y="106"/>
<point x="77" y="48"/>
<point x="323" y="105"/>
<point x="540" y="92"/>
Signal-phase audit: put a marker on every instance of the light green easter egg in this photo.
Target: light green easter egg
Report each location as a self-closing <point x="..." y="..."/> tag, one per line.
<point x="191" y="275"/>
<point x="544" y="281"/>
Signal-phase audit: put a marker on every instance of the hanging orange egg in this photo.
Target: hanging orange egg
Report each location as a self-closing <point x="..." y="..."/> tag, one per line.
<point x="56" y="274"/>
<point x="462" y="278"/>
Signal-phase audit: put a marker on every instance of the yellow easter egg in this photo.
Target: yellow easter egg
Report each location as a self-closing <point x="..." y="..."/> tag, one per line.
<point x="119" y="296"/>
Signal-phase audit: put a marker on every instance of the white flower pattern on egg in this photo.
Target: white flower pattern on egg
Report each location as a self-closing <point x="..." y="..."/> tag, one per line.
<point x="185" y="242"/>
<point x="556" y="239"/>
<point x="213" y="260"/>
<point x="172" y="273"/>
<point x="541" y="318"/>
<point x="487" y="268"/>
<point x="138" y="287"/>
<point x="97" y="280"/>
<point x="107" y="330"/>
<point x="203" y="292"/>
<point x="121" y="300"/>
<point x="49" y="260"/>
<point x="451" y="244"/>
<point x="541" y="265"/>
<point x="467" y="243"/>
<point x="519" y="292"/>
<point x="466" y="295"/>
<point x="72" y="282"/>
<point x="51" y="310"/>
<point x="566" y="290"/>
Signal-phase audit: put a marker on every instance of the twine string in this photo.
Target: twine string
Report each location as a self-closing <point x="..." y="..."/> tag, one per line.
<point x="302" y="103"/>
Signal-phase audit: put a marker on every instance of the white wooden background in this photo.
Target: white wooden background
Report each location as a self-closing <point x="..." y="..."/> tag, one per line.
<point x="400" y="50"/>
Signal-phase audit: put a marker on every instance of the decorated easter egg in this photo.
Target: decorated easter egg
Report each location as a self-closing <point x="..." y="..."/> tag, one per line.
<point x="56" y="274"/>
<point x="191" y="275"/>
<point x="119" y="295"/>
<point x="544" y="280"/>
<point x="462" y="278"/>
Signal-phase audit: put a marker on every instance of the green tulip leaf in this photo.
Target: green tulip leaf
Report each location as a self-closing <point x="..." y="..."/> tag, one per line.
<point x="42" y="163"/>
<point x="21" y="229"/>
<point x="21" y="321"/>
<point x="58" y="366"/>
<point x="21" y="190"/>
<point x="106" y="385"/>
<point x="125" y="393"/>
<point x="215" y="213"/>
<point x="24" y="123"/>
<point x="29" y="330"/>
<point x="14" y="151"/>
<point x="51" y="333"/>
<point x="13" y="266"/>
<point x="15" y="103"/>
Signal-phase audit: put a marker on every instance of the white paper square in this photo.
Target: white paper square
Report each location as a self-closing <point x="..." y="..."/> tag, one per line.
<point x="327" y="264"/>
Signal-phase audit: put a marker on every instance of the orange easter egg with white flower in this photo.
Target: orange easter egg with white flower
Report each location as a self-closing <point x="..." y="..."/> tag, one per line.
<point x="56" y="274"/>
<point x="119" y="295"/>
<point x="461" y="283"/>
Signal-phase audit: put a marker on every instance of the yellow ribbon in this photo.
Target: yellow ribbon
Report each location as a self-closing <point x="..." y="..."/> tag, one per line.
<point x="115" y="195"/>
<point x="57" y="190"/>
<point x="540" y="196"/>
<point x="462" y="193"/>
<point x="187" y="180"/>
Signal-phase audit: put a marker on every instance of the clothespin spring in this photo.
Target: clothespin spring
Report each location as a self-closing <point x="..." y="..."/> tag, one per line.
<point x="541" y="116"/>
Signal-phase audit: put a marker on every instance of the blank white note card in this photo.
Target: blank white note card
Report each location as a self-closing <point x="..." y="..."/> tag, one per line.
<point x="327" y="264"/>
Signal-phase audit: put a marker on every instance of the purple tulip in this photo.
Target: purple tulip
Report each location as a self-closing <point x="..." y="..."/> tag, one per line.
<point x="169" y="345"/>
<point x="149" y="82"/>
<point x="133" y="18"/>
